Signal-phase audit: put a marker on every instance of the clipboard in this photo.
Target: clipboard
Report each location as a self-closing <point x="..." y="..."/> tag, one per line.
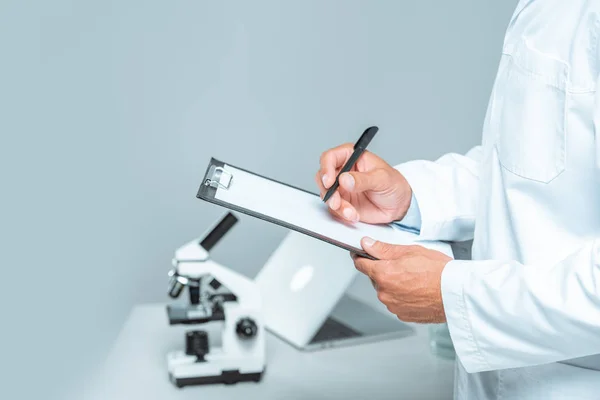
<point x="294" y="208"/>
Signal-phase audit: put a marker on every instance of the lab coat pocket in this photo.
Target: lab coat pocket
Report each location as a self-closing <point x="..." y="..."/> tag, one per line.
<point x="530" y="114"/>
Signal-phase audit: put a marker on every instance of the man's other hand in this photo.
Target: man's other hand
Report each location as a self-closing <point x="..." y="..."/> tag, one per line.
<point x="407" y="279"/>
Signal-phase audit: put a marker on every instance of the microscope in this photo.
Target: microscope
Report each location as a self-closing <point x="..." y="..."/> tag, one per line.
<point x="217" y="295"/>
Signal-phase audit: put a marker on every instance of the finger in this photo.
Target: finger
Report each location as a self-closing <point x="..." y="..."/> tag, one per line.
<point x="335" y="201"/>
<point x="319" y="181"/>
<point x="364" y="265"/>
<point x="355" y="256"/>
<point x="331" y="161"/>
<point x="342" y="209"/>
<point x="358" y="182"/>
<point x="347" y="211"/>
<point x="383" y="251"/>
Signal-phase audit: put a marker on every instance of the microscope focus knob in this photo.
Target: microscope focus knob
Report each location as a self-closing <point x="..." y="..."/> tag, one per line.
<point x="246" y="328"/>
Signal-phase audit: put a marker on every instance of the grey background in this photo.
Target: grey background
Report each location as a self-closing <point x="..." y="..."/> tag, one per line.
<point x="110" y="111"/>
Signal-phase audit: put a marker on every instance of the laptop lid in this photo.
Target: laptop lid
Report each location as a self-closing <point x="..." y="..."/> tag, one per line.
<point x="300" y="285"/>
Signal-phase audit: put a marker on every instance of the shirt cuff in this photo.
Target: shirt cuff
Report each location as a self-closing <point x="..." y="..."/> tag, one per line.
<point x="423" y="184"/>
<point x="412" y="219"/>
<point x="454" y="277"/>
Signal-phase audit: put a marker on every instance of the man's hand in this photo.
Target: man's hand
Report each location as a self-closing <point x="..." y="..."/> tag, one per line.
<point x="407" y="279"/>
<point x="372" y="192"/>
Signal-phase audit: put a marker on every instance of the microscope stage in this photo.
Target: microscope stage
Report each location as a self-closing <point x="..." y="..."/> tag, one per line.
<point x="188" y="315"/>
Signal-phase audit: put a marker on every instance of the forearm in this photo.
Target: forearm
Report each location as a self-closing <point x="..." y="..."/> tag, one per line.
<point x="508" y="315"/>
<point x="446" y="193"/>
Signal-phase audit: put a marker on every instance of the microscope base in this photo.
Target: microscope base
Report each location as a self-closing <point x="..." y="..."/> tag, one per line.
<point x="226" y="377"/>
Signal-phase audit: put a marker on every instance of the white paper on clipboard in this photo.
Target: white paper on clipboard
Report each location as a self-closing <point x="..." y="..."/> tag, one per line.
<point x="252" y="194"/>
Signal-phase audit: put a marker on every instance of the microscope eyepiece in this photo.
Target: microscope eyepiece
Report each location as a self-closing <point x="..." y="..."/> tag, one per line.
<point x="217" y="233"/>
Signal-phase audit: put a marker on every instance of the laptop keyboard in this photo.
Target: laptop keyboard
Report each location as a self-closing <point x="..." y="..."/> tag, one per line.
<point x="333" y="330"/>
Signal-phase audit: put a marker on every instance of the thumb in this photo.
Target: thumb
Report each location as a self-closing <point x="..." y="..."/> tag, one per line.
<point x="381" y="250"/>
<point x="358" y="182"/>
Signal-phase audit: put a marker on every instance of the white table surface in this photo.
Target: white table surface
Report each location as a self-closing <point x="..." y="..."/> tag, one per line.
<point x="396" y="369"/>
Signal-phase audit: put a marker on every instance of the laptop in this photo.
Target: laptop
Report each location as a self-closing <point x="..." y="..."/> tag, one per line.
<point x="303" y="286"/>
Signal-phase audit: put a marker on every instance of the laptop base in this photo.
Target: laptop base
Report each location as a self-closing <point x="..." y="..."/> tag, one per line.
<point x="354" y="322"/>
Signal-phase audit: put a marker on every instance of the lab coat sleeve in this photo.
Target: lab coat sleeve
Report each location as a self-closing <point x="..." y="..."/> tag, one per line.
<point x="446" y="193"/>
<point x="507" y="315"/>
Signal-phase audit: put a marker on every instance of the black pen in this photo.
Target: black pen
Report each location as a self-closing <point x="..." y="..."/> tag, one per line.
<point x="359" y="148"/>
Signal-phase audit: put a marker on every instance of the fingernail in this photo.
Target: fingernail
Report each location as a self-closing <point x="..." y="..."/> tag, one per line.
<point x="349" y="181"/>
<point x="348" y="214"/>
<point x="368" y="242"/>
<point x="324" y="180"/>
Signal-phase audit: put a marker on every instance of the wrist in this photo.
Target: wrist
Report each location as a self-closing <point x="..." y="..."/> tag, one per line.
<point x="405" y="199"/>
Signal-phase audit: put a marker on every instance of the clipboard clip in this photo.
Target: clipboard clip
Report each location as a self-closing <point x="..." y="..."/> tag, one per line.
<point x="218" y="178"/>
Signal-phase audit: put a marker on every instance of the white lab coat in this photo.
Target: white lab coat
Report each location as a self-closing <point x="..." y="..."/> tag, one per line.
<point x="524" y="315"/>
